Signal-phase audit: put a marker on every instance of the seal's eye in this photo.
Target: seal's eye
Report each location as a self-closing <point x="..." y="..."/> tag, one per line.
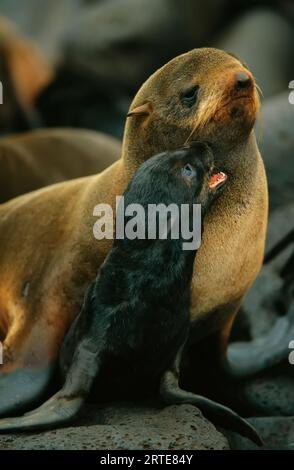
<point x="189" y="97"/>
<point x="188" y="171"/>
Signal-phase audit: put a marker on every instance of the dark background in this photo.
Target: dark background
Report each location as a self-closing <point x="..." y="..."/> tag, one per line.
<point x="103" y="50"/>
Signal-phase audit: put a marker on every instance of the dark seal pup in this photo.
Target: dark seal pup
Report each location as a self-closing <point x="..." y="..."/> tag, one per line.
<point x="139" y="325"/>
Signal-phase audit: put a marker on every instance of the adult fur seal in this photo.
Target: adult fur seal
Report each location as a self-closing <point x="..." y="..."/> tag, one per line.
<point x="48" y="255"/>
<point x="136" y="315"/>
<point x="38" y="158"/>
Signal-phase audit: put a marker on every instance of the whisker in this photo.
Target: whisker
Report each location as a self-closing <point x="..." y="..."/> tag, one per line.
<point x="190" y="135"/>
<point x="261" y="126"/>
<point x="259" y="89"/>
<point x="260" y="115"/>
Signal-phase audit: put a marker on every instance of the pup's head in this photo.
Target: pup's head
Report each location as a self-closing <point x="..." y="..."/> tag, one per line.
<point x="205" y="94"/>
<point x="184" y="176"/>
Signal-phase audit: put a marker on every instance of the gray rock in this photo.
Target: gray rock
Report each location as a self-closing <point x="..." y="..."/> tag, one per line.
<point x="260" y="304"/>
<point x="122" y="427"/>
<point x="271" y="394"/>
<point x="277" y="433"/>
<point x="277" y="147"/>
<point x="120" y="33"/>
<point x="45" y="25"/>
<point x="123" y="41"/>
<point x="280" y="224"/>
<point x="263" y="39"/>
<point x="268" y="309"/>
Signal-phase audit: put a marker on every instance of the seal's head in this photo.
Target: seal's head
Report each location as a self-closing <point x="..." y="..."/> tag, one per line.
<point x="183" y="176"/>
<point x="205" y="95"/>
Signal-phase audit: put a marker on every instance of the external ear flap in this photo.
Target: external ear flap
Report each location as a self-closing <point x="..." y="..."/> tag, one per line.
<point x="144" y="109"/>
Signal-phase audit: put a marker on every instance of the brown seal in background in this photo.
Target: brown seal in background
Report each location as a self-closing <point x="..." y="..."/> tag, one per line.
<point x="24" y="73"/>
<point x="31" y="160"/>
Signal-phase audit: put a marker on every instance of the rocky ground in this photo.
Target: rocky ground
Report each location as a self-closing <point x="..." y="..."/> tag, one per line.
<point x="123" y="427"/>
<point x="128" y="427"/>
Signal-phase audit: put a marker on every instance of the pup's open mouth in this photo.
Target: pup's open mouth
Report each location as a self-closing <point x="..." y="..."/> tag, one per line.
<point x="217" y="180"/>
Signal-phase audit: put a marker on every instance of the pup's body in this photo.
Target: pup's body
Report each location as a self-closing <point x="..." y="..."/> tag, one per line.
<point x="48" y="256"/>
<point x="137" y="310"/>
<point x="136" y="315"/>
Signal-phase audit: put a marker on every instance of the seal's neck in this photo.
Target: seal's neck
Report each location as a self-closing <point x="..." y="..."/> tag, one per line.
<point x="238" y="160"/>
<point x="241" y="163"/>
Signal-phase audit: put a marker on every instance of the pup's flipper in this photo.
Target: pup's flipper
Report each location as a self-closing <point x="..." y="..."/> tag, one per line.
<point x="248" y="358"/>
<point x="56" y="411"/>
<point x="220" y="415"/>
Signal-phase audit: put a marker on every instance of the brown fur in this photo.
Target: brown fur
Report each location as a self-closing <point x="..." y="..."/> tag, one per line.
<point x="47" y="251"/>
<point x="35" y="159"/>
<point x="28" y="70"/>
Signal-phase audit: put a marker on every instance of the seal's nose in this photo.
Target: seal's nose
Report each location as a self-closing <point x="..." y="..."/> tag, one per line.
<point x="243" y="80"/>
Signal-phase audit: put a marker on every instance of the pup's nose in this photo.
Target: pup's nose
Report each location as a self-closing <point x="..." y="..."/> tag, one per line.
<point x="243" y="80"/>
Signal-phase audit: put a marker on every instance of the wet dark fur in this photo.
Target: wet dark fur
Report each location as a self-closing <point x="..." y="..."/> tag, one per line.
<point x="143" y="319"/>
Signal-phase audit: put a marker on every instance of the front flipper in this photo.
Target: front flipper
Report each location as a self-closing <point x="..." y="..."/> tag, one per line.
<point x="248" y="358"/>
<point x="220" y="415"/>
<point x="22" y="388"/>
<point x="57" y="411"/>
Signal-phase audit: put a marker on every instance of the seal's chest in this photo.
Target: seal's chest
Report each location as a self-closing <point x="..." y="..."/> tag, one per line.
<point x="147" y="341"/>
<point x="141" y="349"/>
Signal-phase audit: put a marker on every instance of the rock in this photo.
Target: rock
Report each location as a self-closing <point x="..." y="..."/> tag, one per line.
<point x="268" y="307"/>
<point x="264" y="302"/>
<point x="277" y="433"/>
<point x="259" y="305"/>
<point x="280" y="224"/>
<point x="107" y="53"/>
<point x="277" y="147"/>
<point x="272" y="393"/>
<point x="123" y="41"/>
<point x="120" y="39"/>
<point x="45" y="25"/>
<point x="121" y="427"/>
<point x="263" y="39"/>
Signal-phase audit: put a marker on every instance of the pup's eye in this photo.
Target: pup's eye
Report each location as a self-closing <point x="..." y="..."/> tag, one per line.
<point x="189" y="97"/>
<point x="188" y="171"/>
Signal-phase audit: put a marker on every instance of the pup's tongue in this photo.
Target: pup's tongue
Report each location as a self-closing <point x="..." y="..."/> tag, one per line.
<point x="216" y="180"/>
